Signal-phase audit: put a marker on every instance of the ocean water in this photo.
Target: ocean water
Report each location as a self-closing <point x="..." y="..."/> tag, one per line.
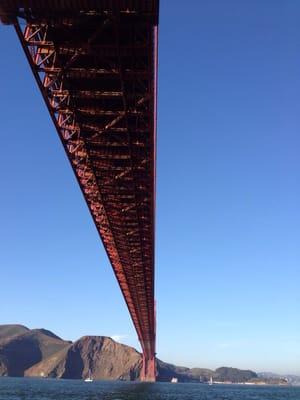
<point x="51" y="389"/>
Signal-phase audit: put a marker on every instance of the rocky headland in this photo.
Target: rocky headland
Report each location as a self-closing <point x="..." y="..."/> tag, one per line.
<point x="41" y="353"/>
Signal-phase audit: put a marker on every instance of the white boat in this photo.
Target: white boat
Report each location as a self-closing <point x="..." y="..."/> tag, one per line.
<point x="89" y="378"/>
<point x="211" y="381"/>
<point x="174" y="380"/>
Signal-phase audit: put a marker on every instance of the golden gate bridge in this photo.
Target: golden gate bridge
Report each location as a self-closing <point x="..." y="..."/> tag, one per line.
<point x="95" y="62"/>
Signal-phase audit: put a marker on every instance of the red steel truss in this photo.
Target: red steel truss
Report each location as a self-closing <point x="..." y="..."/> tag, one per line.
<point x="95" y="62"/>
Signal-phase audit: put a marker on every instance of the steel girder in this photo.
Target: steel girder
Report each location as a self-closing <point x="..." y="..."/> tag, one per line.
<point x="96" y="65"/>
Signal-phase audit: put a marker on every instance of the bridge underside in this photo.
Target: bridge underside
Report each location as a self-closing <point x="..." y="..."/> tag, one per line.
<point x="96" y="63"/>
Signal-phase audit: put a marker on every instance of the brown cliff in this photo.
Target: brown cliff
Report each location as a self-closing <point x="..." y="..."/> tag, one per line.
<point x="40" y="353"/>
<point x="12" y="330"/>
<point x="101" y="356"/>
<point x="19" y="351"/>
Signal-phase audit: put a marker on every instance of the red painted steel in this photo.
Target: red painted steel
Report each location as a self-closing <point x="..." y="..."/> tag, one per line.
<point x="96" y="65"/>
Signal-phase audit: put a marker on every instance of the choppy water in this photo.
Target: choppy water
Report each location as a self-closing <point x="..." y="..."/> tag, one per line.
<point x="37" y="389"/>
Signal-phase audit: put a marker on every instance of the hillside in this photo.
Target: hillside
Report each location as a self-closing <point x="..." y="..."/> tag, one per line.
<point x="19" y="352"/>
<point x="225" y="374"/>
<point x="12" y="330"/>
<point x="105" y="358"/>
<point x="41" y="353"/>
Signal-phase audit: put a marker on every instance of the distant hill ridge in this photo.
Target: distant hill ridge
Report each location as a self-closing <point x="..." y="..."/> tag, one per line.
<point x="12" y="330"/>
<point x="21" y="348"/>
<point x="39" y="352"/>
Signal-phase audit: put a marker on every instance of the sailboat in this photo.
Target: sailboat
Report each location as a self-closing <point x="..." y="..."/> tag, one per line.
<point x="89" y="378"/>
<point x="211" y="381"/>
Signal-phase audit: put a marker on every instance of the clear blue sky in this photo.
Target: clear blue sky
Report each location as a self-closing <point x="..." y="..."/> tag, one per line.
<point x="228" y="203"/>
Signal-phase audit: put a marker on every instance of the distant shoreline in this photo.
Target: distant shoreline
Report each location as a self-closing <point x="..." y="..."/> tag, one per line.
<point x="41" y="353"/>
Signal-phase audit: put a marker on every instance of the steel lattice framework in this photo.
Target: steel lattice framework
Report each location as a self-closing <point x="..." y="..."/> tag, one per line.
<point x="96" y="65"/>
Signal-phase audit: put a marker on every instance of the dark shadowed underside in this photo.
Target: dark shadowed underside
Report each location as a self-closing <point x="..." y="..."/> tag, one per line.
<point x="96" y="65"/>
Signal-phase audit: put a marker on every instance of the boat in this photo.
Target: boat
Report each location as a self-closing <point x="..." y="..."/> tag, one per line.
<point x="89" y="378"/>
<point x="211" y="381"/>
<point x="174" y="380"/>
